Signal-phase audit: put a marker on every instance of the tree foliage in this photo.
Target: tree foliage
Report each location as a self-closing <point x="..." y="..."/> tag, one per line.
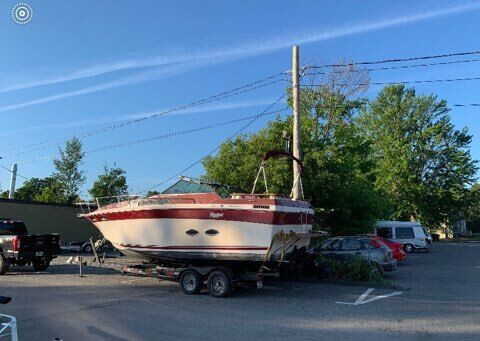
<point x="473" y="212"/>
<point x="113" y="182"/>
<point x="396" y="157"/>
<point x="151" y="193"/>
<point x="336" y="158"/>
<point x="68" y="172"/>
<point x="421" y="161"/>
<point x="46" y="190"/>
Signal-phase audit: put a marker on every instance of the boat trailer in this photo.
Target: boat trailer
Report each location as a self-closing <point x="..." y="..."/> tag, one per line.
<point x="220" y="278"/>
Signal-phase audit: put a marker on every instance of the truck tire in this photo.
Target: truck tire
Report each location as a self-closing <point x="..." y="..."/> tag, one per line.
<point x="191" y="282"/>
<point x="4" y="265"/>
<point x="41" y="264"/>
<point x="408" y="248"/>
<point x="219" y="283"/>
<point x="87" y="248"/>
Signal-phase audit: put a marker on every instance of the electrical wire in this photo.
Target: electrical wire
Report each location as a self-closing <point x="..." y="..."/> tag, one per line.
<point x="164" y="136"/>
<point x="20" y="175"/>
<point x="240" y="131"/>
<point x="408" y="82"/>
<point x="230" y="93"/>
<point x="390" y="67"/>
<point x="396" y="60"/>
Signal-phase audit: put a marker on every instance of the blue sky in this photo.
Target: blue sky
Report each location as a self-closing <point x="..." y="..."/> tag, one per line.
<point x="78" y="66"/>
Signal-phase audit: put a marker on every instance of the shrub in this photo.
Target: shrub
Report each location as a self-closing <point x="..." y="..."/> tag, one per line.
<point x="354" y="269"/>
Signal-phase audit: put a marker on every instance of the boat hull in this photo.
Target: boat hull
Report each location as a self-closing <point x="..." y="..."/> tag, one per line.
<point x="202" y="239"/>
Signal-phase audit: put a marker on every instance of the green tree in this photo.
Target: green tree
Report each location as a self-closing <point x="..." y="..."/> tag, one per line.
<point x="68" y="171"/>
<point x="53" y="191"/>
<point x="35" y="189"/>
<point x="473" y="212"/>
<point x="113" y="182"/>
<point x="152" y="193"/>
<point x="336" y="157"/>
<point x="421" y="161"/>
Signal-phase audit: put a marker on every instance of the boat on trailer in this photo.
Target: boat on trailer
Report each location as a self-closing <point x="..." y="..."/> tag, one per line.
<point x="195" y="234"/>
<point x="202" y="226"/>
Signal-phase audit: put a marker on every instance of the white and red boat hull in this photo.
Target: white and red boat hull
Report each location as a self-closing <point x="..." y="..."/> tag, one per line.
<point x="223" y="231"/>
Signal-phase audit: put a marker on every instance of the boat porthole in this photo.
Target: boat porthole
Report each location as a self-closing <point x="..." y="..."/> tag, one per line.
<point x="211" y="232"/>
<point x="191" y="232"/>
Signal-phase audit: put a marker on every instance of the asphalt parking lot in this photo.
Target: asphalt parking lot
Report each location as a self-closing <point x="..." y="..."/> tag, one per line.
<point x="436" y="296"/>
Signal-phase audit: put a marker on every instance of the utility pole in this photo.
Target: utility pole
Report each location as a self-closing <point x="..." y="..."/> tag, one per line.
<point x="297" y="180"/>
<point x="13" y="179"/>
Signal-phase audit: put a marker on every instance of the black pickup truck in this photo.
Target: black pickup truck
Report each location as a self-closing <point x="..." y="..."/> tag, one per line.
<point x="17" y="247"/>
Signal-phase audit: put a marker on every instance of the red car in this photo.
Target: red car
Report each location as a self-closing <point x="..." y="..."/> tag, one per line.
<point x="397" y="248"/>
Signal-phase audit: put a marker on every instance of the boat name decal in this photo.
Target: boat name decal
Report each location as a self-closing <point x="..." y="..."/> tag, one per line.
<point x="216" y="215"/>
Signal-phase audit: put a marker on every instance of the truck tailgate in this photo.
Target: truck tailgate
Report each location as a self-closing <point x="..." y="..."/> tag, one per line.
<point x="46" y="243"/>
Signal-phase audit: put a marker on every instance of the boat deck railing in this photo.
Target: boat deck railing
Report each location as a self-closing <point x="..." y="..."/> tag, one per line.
<point x="102" y="203"/>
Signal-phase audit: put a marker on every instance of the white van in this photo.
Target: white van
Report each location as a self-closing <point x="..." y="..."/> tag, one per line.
<point x="410" y="233"/>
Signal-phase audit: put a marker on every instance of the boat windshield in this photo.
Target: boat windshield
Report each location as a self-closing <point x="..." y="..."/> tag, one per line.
<point x="189" y="185"/>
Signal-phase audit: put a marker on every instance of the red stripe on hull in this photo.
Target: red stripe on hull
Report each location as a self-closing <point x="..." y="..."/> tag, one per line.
<point x="261" y="217"/>
<point x="154" y="247"/>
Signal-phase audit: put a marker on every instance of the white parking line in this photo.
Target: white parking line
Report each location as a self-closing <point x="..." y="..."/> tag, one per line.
<point x="9" y="327"/>
<point x="362" y="298"/>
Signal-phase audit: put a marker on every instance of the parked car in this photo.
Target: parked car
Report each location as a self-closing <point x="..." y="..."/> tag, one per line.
<point x="17" y="247"/>
<point x="344" y="248"/>
<point x="397" y="248"/>
<point x="409" y="233"/>
<point x="78" y="247"/>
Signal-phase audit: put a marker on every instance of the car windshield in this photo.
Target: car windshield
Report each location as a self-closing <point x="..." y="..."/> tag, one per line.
<point x="190" y="185"/>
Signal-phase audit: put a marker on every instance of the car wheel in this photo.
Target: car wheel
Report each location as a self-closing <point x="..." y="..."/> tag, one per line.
<point x="219" y="283"/>
<point x="408" y="248"/>
<point x="191" y="282"/>
<point x="4" y="265"/>
<point x="41" y="264"/>
<point x="87" y="248"/>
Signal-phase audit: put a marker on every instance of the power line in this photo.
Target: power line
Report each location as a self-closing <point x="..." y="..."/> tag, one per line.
<point x="184" y="132"/>
<point x="396" y="60"/>
<point x="467" y="105"/>
<point x="216" y="148"/>
<point x="409" y="82"/>
<point x="230" y="93"/>
<point x="167" y="135"/>
<point x="6" y="168"/>
<point x="391" y="67"/>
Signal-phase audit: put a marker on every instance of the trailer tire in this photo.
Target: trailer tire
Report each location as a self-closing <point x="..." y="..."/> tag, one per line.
<point x="41" y="264"/>
<point x="191" y="282"/>
<point x="4" y="265"/>
<point x="219" y="283"/>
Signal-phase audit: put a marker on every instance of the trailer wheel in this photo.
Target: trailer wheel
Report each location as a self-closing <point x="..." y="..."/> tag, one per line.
<point x="4" y="265"/>
<point x="191" y="282"/>
<point x="41" y="264"/>
<point x="219" y="283"/>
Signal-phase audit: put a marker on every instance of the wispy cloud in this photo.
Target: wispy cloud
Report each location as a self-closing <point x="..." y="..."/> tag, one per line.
<point x="115" y="119"/>
<point x="147" y="75"/>
<point x="175" y="62"/>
